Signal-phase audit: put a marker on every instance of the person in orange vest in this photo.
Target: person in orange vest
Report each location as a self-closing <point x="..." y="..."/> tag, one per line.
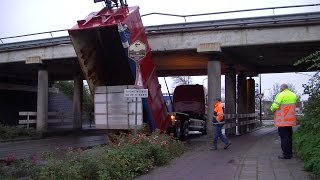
<point x="284" y="107"/>
<point x="218" y="122"/>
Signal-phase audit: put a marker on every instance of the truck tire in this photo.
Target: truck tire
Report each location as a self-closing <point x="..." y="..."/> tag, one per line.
<point x="204" y="131"/>
<point x="177" y="129"/>
<point x="184" y="130"/>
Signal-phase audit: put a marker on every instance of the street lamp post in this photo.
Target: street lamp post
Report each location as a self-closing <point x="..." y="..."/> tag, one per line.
<point x="260" y="100"/>
<point x="204" y="80"/>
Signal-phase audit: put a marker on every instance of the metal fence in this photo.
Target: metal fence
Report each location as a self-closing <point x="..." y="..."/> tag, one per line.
<point x="63" y="32"/>
<point x="28" y="117"/>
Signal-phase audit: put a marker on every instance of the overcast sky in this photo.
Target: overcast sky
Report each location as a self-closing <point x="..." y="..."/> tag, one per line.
<point x="20" y="17"/>
<point x="33" y="16"/>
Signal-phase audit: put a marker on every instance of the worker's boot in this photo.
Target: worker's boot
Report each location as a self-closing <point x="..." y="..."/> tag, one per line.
<point x="213" y="148"/>
<point x="227" y="145"/>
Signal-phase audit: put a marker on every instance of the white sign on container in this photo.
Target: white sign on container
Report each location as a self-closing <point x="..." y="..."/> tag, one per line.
<point x="142" y="93"/>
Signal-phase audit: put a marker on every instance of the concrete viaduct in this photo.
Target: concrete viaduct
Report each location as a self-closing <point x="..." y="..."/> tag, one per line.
<point x="238" y="48"/>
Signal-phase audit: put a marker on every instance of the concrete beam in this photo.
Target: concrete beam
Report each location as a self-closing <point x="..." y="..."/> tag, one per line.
<point x="214" y="74"/>
<point x="250" y="95"/>
<point x="230" y="97"/>
<point x="189" y="40"/>
<point x="45" y="53"/>
<point x="19" y="87"/>
<point x="236" y="37"/>
<point x="251" y="99"/>
<point x="242" y="94"/>
<point x="77" y="102"/>
<point x="209" y="48"/>
<point x="42" y="101"/>
<point x="214" y="89"/>
<point x="242" y="101"/>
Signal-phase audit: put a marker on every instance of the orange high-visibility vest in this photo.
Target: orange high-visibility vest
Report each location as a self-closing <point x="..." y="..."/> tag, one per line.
<point x="285" y="116"/>
<point x="284" y="107"/>
<point x="218" y="108"/>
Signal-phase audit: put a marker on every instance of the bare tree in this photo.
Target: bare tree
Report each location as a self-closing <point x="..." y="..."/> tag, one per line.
<point x="276" y="90"/>
<point x="181" y="80"/>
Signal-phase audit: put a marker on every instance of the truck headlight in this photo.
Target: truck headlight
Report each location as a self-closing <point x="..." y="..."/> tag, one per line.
<point x="173" y="118"/>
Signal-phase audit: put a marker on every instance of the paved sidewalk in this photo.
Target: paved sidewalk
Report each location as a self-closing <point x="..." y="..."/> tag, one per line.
<point x="261" y="162"/>
<point x="252" y="156"/>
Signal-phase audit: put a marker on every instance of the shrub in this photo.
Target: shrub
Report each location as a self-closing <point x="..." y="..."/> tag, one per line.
<point x="307" y="138"/>
<point x="128" y="157"/>
<point x="11" y="132"/>
<point x="123" y="162"/>
<point x="307" y="146"/>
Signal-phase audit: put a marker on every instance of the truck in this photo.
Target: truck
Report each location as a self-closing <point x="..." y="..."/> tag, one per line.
<point x="189" y="109"/>
<point x="114" y="56"/>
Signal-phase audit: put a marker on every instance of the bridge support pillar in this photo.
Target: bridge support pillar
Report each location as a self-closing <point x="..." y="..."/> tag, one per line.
<point x="42" y="100"/>
<point x="77" y="102"/>
<point x="214" y="89"/>
<point x="251" y="100"/>
<point x="242" y="102"/>
<point x="214" y="78"/>
<point x="230" y="98"/>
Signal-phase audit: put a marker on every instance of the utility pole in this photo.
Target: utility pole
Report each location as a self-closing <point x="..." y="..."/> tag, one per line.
<point x="260" y="100"/>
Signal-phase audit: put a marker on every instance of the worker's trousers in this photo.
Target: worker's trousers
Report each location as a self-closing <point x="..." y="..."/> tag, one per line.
<point x="218" y="134"/>
<point x="285" y="134"/>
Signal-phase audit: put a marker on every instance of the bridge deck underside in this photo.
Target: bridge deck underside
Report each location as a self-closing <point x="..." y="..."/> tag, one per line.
<point x="21" y="73"/>
<point x="252" y="60"/>
<point x="301" y="30"/>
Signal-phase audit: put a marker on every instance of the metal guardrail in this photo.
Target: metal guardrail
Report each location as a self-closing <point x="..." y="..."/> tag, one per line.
<point x="34" y="34"/>
<point x="186" y="26"/>
<point x="304" y="18"/>
<point x="229" y="12"/>
<point x="234" y="120"/>
<point x="35" y="43"/>
<point x="53" y="117"/>
<point x="264" y="21"/>
<point x="231" y="116"/>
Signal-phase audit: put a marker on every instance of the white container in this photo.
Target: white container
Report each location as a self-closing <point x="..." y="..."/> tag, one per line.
<point x="114" y="111"/>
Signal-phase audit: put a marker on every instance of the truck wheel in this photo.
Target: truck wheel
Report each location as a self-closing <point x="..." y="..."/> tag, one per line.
<point x="184" y="130"/>
<point x="177" y="130"/>
<point x="204" y="132"/>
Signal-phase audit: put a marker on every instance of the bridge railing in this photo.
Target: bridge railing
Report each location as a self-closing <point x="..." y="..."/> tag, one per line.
<point x="35" y="36"/>
<point x="60" y="117"/>
<point x="63" y="32"/>
<point x="271" y="11"/>
<point x="241" y="120"/>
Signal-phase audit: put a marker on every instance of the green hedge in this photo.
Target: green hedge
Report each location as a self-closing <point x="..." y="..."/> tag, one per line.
<point x="128" y="157"/>
<point x="306" y="140"/>
<point x="307" y="146"/>
<point x="12" y="132"/>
